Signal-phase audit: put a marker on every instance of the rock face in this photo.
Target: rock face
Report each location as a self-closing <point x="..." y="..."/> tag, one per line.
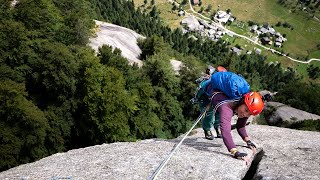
<point x="176" y="65"/>
<point x="196" y="158"/>
<point x="118" y="37"/>
<point x="288" y="154"/>
<point x="286" y="114"/>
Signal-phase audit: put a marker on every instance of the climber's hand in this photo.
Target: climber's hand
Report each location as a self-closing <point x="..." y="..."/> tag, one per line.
<point x="252" y="146"/>
<point x="243" y="156"/>
<point x="239" y="155"/>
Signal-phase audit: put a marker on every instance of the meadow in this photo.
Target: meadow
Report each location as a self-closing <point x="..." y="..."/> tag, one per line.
<point x="303" y="39"/>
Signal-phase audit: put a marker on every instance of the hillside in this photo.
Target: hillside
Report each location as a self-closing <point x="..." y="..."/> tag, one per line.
<point x="288" y="154"/>
<point x="58" y="94"/>
<point x="302" y="40"/>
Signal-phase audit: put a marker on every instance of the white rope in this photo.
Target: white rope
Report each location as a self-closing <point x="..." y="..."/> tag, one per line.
<point x="164" y="162"/>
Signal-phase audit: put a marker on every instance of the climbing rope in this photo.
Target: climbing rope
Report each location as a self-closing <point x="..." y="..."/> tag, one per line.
<point x="164" y="162"/>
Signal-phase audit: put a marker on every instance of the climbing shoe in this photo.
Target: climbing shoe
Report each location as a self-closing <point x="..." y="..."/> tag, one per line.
<point x="208" y="135"/>
<point x="218" y="132"/>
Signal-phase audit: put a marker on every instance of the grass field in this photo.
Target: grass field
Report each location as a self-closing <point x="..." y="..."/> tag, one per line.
<point x="302" y="40"/>
<point x="170" y="17"/>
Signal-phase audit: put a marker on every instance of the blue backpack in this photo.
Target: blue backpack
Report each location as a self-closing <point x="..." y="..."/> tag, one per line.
<point x="231" y="84"/>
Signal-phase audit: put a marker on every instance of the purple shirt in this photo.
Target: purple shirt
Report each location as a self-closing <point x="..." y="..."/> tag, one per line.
<point x="226" y="112"/>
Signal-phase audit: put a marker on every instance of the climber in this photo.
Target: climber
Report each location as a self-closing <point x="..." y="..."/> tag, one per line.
<point x="250" y="104"/>
<point x="203" y="101"/>
<point x="227" y="94"/>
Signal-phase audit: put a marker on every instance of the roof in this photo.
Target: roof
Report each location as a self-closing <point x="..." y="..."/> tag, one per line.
<point x="258" y="51"/>
<point x="254" y="27"/>
<point x="181" y="13"/>
<point x="277" y="44"/>
<point x="236" y="50"/>
<point x="266" y="39"/>
<point x="264" y="30"/>
<point x="191" y="22"/>
<point x="222" y="16"/>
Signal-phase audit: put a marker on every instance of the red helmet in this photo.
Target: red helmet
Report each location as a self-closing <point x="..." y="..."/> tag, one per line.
<point x="254" y="102"/>
<point x="221" y="69"/>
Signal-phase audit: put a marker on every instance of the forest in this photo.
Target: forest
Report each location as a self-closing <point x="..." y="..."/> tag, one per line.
<point x="57" y="94"/>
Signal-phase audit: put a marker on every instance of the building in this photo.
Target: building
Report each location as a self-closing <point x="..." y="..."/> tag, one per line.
<point x="279" y="39"/>
<point x="222" y="16"/>
<point x="258" y="51"/>
<point x="272" y="31"/>
<point x="236" y="50"/>
<point x="263" y="30"/>
<point x="181" y="13"/>
<point x="254" y="28"/>
<point x="265" y="40"/>
<point x="277" y="44"/>
<point x="191" y="23"/>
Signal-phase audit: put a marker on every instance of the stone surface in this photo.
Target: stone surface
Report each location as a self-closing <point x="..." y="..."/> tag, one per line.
<point x="289" y="153"/>
<point x="286" y="114"/>
<point x="196" y="158"/>
<point x="118" y="37"/>
<point x="176" y="65"/>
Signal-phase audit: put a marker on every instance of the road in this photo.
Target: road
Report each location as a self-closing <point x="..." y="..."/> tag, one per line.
<point x="247" y="38"/>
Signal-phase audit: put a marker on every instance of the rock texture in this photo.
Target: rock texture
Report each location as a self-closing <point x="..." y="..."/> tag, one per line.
<point x="118" y="37"/>
<point x="288" y="154"/>
<point x="176" y="65"/>
<point x="196" y="158"/>
<point x="286" y="114"/>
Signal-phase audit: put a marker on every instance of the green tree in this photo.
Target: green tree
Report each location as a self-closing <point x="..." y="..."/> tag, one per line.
<point x="23" y="127"/>
<point x="301" y="96"/>
<point x="184" y="2"/>
<point x="78" y="21"/>
<point x="154" y="12"/>
<point x="106" y="106"/>
<point x="313" y="71"/>
<point x="166" y="85"/>
<point x="41" y="16"/>
<point x="144" y="123"/>
<point x="113" y="58"/>
<point x="54" y="74"/>
<point x="201" y="9"/>
<point x="209" y="7"/>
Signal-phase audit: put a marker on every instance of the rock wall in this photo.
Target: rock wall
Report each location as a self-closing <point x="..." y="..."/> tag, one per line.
<point x="196" y="158"/>
<point x="118" y="37"/>
<point x="288" y="154"/>
<point x="282" y="113"/>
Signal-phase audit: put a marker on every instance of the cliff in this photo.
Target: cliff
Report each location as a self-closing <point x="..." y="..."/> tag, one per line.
<point x="287" y="154"/>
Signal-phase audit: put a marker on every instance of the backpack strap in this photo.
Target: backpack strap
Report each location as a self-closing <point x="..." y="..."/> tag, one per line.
<point x="224" y="102"/>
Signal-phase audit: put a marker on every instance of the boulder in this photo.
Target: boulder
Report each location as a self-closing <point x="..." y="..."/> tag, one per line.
<point x="118" y="37"/>
<point x="280" y="114"/>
